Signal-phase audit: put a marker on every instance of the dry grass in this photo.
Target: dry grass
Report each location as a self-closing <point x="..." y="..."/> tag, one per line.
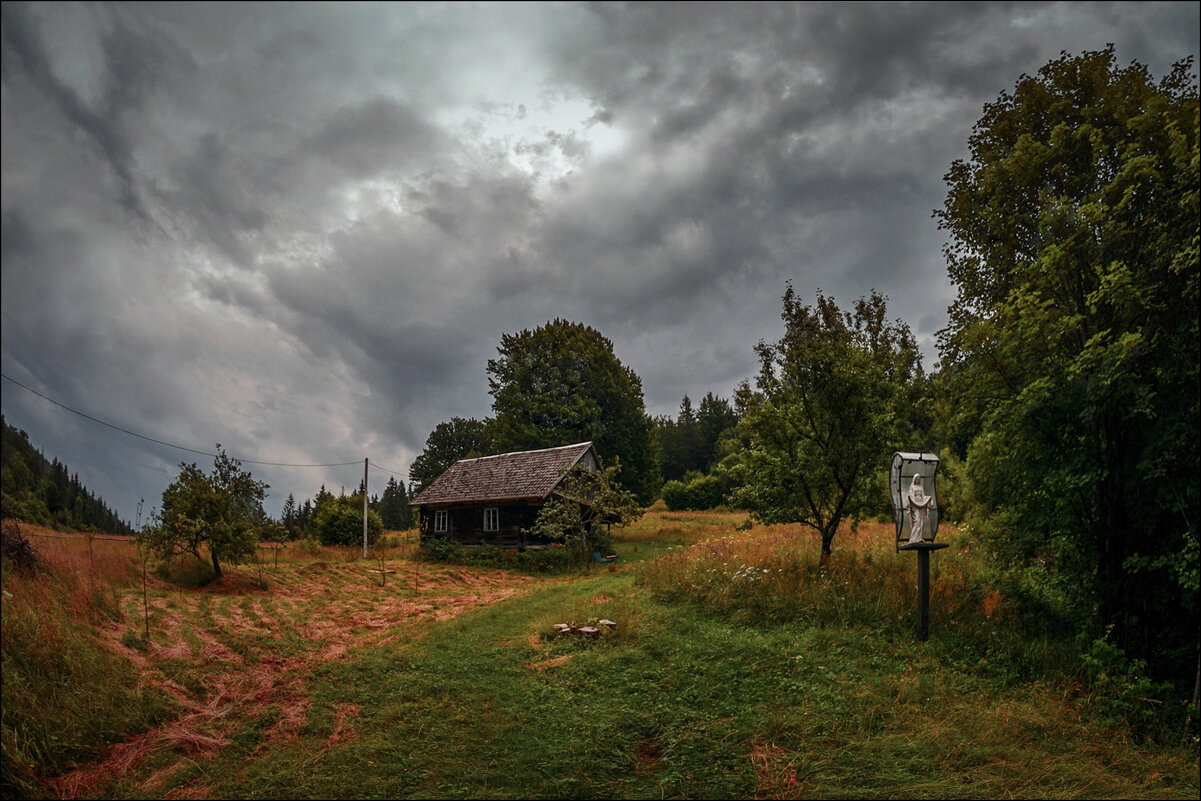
<point x="659" y="525"/>
<point x="249" y="651"/>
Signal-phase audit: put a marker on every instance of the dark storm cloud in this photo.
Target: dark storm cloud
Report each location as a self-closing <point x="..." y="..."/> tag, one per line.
<point x="301" y="230"/>
<point x="134" y="63"/>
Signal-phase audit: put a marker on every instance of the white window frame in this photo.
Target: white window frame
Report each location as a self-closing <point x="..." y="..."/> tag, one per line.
<point x="492" y="519"/>
<point x="441" y="521"/>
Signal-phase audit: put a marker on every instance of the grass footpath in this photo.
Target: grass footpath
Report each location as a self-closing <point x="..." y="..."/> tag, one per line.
<point x="438" y="681"/>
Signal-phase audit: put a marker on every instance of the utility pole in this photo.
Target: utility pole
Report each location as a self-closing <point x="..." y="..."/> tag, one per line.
<point x="364" y="508"/>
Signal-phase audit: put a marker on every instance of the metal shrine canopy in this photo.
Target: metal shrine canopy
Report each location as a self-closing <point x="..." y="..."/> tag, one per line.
<point x="900" y="481"/>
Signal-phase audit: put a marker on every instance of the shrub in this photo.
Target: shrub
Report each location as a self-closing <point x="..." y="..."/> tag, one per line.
<point x="340" y="522"/>
<point x="1118" y="691"/>
<point x="542" y="560"/>
<point x="308" y="545"/>
<point x="697" y="493"/>
<point x="675" y="495"/>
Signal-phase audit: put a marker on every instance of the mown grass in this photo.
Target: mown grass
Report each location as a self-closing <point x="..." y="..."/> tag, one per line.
<point x="801" y="683"/>
<point x="684" y="704"/>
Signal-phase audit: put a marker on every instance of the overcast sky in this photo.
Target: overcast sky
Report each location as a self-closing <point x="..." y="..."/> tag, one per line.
<point x="301" y="230"/>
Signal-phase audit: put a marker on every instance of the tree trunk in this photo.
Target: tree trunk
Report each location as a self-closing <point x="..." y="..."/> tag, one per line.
<point x="216" y="564"/>
<point x="827" y="543"/>
<point x="1197" y="686"/>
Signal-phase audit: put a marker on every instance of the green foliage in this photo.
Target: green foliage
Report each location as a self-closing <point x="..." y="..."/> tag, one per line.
<point x="340" y="522"/>
<point x="696" y="492"/>
<point x="1118" y="692"/>
<point x="308" y="545"/>
<point x="560" y="384"/>
<point x="1070" y="361"/>
<point x="539" y="560"/>
<point x="393" y="507"/>
<point x="693" y="441"/>
<point x="830" y="408"/>
<point x="448" y="443"/>
<point x="218" y="512"/>
<point x="43" y="492"/>
<point x="584" y="505"/>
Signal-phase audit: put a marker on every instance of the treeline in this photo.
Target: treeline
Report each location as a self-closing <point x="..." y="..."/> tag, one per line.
<point x="338" y="519"/>
<point x="46" y="493"/>
<point x="696" y="450"/>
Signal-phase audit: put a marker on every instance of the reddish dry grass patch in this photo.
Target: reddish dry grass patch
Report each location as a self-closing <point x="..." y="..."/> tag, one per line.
<point x="343" y="733"/>
<point x="775" y="774"/>
<point x="548" y="663"/>
<point x="333" y="609"/>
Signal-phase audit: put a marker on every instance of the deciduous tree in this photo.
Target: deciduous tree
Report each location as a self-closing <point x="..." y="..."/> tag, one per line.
<point x="1072" y="348"/>
<point x="456" y="439"/>
<point x="560" y="384"/>
<point x="584" y="505"/>
<point x="828" y="412"/>
<point x="340" y="522"/>
<point x="217" y="512"/>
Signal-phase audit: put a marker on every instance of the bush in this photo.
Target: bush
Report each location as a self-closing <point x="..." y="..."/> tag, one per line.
<point x="340" y="522"/>
<point x="542" y="560"/>
<point x="700" y="492"/>
<point x="1119" y="692"/>
<point x="675" y="495"/>
<point x="308" y="545"/>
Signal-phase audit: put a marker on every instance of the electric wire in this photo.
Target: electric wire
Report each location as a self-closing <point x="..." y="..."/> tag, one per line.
<point x="161" y="442"/>
<point x="386" y="470"/>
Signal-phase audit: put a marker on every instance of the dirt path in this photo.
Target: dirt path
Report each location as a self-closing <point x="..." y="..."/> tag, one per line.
<point x="239" y="648"/>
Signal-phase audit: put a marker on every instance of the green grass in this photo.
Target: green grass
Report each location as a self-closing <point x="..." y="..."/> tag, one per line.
<point x="806" y="684"/>
<point x="687" y="705"/>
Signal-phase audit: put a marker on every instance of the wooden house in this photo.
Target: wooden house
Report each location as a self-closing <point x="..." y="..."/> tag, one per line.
<point x="492" y="499"/>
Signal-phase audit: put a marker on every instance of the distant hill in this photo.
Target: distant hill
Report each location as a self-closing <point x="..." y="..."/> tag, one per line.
<point x="46" y="493"/>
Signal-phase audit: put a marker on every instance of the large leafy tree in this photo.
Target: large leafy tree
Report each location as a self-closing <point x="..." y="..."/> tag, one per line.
<point x="831" y="405"/>
<point x="561" y="383"/>
<point x="1071" y="352"/>
<point x="456" y="439"/>
<point x="218" y="512"/>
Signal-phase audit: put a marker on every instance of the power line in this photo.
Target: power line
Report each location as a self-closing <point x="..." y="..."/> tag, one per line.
<point x="386" y="470"/>
<point x="159" y="441"/>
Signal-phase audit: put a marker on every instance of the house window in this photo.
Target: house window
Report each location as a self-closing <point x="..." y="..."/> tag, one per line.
<point x="491" y="519"/>
<point x="441" y="521"/>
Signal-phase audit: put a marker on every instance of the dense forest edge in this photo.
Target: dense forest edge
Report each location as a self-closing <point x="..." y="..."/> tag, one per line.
<point x="45" y="491"/>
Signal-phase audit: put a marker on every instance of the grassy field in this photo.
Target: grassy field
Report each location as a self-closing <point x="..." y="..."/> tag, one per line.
<point x="738" y="668"/>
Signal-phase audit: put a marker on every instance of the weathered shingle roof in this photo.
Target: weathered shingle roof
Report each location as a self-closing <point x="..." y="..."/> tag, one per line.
<point x="524" y="475"/>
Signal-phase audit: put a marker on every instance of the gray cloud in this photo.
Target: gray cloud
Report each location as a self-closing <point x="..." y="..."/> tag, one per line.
<point x="300" y="231"/>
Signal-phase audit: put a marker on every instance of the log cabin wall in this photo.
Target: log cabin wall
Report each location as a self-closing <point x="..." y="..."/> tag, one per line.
<point x="467" y="524"/>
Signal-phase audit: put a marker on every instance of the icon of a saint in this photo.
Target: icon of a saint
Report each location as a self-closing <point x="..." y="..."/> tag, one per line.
<point x="918" y="504"/>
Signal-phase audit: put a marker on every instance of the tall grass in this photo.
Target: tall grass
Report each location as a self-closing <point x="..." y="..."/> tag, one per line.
<point x="64" y="694"/>
<point x="1005" y="627"/>
<point x="773" y="574"/>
